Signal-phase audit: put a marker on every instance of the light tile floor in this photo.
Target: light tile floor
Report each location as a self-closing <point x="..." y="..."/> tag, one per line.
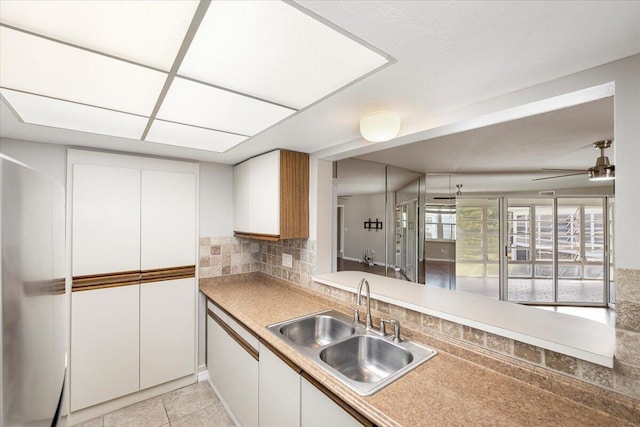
<point x="192" y="406"/>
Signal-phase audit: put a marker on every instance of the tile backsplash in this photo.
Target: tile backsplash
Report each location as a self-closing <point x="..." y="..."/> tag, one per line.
<point x="222" y="256"/>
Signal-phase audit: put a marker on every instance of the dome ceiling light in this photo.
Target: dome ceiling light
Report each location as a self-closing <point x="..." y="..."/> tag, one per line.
<point x="380" y="126"/>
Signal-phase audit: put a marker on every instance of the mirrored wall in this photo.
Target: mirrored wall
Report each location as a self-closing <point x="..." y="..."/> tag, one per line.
<point x="505" y="211"/>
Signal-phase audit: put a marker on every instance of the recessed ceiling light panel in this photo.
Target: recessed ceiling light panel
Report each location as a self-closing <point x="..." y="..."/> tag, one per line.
<point x="192" y="137"/>
<point x="201" y="105"/>
<point x="273" y="51"/>
<point x="44" y="111"/>
<point x="147" y="32"/>
<point x="33" y="64"/>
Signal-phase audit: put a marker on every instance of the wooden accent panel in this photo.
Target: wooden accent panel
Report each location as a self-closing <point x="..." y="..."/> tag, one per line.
<point x="294" y="195"/>
<point x="127" y="278"/>
<point x="236" y="337"/>
<point x="269" y="237"/>
<point x="355" y="414"/>
<point x="107" y="280"/>
<point x="171" y="273"/>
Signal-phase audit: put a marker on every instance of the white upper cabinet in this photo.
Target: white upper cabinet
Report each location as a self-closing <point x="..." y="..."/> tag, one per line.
<point x="264" y="213"/>
<point x="271" y="196"/>
<point x="168" y="219"/>
<point x="106" y="219"/>
<point x="242" y="197"/>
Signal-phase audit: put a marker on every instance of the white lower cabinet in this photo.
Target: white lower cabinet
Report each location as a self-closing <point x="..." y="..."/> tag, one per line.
<point x="269" y="392"/>
<point x="318" y="410"/>
<point x="279" y="392"/>
<point x="234" y="373"/>
<point x="167" y="336"/>
<point x="105" y="347"/>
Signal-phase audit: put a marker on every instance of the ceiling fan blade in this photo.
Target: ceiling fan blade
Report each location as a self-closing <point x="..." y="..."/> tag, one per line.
<point x="563" y="170"/>
<point x="560" y="176"/>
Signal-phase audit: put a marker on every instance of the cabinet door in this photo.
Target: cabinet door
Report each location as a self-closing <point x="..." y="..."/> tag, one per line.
<point x="242" y="197"/>
<point x="234" y="372"/>
<point x="265" y="200"/>
<point x="279" y="390"/>
<point x="106" y="219"/>
<point x="168" y="219"/>
<point x="104" y="345"/>
<point x="167" y="331"/>
<point x="317" y="410"/>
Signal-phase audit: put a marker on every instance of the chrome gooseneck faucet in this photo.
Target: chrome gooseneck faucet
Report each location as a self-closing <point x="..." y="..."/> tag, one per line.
<point x="368" y="324"/>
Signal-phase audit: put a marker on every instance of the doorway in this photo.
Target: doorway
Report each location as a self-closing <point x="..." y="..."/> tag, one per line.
<point x="407" y="239"/>
<point x="340" y="231"/>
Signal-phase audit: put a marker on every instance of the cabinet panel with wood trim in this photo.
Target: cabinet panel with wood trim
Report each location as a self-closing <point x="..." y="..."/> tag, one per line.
<point x="233" y="371"/>
<point x="271" y="196"/>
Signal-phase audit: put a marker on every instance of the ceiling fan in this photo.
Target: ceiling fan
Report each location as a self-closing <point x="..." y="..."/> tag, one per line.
<point x="458" y="193"/>
<point x="603" y="170"/>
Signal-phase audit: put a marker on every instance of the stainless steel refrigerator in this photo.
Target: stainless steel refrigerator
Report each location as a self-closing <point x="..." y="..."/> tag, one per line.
<point x="34" y="306"/>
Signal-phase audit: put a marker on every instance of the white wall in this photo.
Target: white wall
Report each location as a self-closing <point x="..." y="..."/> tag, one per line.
<point x="357" y="210"/>
<point x="216" y="200"/>
<point x="49" y="159"/>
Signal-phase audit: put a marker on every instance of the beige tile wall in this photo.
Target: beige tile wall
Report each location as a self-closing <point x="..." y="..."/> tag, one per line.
<point x="222" y="256"/>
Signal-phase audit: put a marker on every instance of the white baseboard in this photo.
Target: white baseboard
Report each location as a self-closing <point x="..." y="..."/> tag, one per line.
<point x="85" y="414"/>
<point x="203" y="373"/>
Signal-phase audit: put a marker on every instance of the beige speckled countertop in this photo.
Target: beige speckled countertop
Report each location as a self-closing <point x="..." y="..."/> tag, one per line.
<point x="446" y="390"/>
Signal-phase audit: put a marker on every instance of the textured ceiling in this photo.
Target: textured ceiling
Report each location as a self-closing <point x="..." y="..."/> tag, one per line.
<point x="507" y="156"/>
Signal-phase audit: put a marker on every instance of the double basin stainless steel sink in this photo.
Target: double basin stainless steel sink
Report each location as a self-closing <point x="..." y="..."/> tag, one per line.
<point x="363" y="360"/>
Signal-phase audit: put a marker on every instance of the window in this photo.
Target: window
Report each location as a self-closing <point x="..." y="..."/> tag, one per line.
<point x="440" y="222"/>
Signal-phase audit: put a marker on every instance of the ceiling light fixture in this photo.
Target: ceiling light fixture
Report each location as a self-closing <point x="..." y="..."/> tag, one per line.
<point x="380" y="126"/>
<point x="603" y="170"/>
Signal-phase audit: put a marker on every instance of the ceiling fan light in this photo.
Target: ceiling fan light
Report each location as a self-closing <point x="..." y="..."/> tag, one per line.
<point x="380" y="126"/>
<point x="602" y="173"/>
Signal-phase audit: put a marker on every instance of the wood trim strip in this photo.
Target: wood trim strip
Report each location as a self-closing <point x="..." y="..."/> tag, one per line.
<point x="257" y="236"/>
<point x="281" y="356"/>
<point x="256" y="336"/>
<point x="341" y="403"/>
<point x="294" y="195"/>
<point x="102" y="281"/>
<point x="170" y="273"/>
<point x="236" y="337"/>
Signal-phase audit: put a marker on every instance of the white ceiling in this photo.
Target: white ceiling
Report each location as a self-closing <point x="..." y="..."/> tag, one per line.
<point x="448" y="55"/>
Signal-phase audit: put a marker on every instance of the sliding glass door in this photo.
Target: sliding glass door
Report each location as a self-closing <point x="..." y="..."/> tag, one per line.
<point x="555" y="250"/>
<point x="581" y="250"/>
<point x="529" y="250"/>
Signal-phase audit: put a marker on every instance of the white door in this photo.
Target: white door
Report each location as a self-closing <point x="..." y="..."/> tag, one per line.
<point x="167" y="332"/>
<point x="168" y="219"/>
<point x="106" y="219"/>
<point x="279" y="391"/>
<point x="104" y="345"/>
